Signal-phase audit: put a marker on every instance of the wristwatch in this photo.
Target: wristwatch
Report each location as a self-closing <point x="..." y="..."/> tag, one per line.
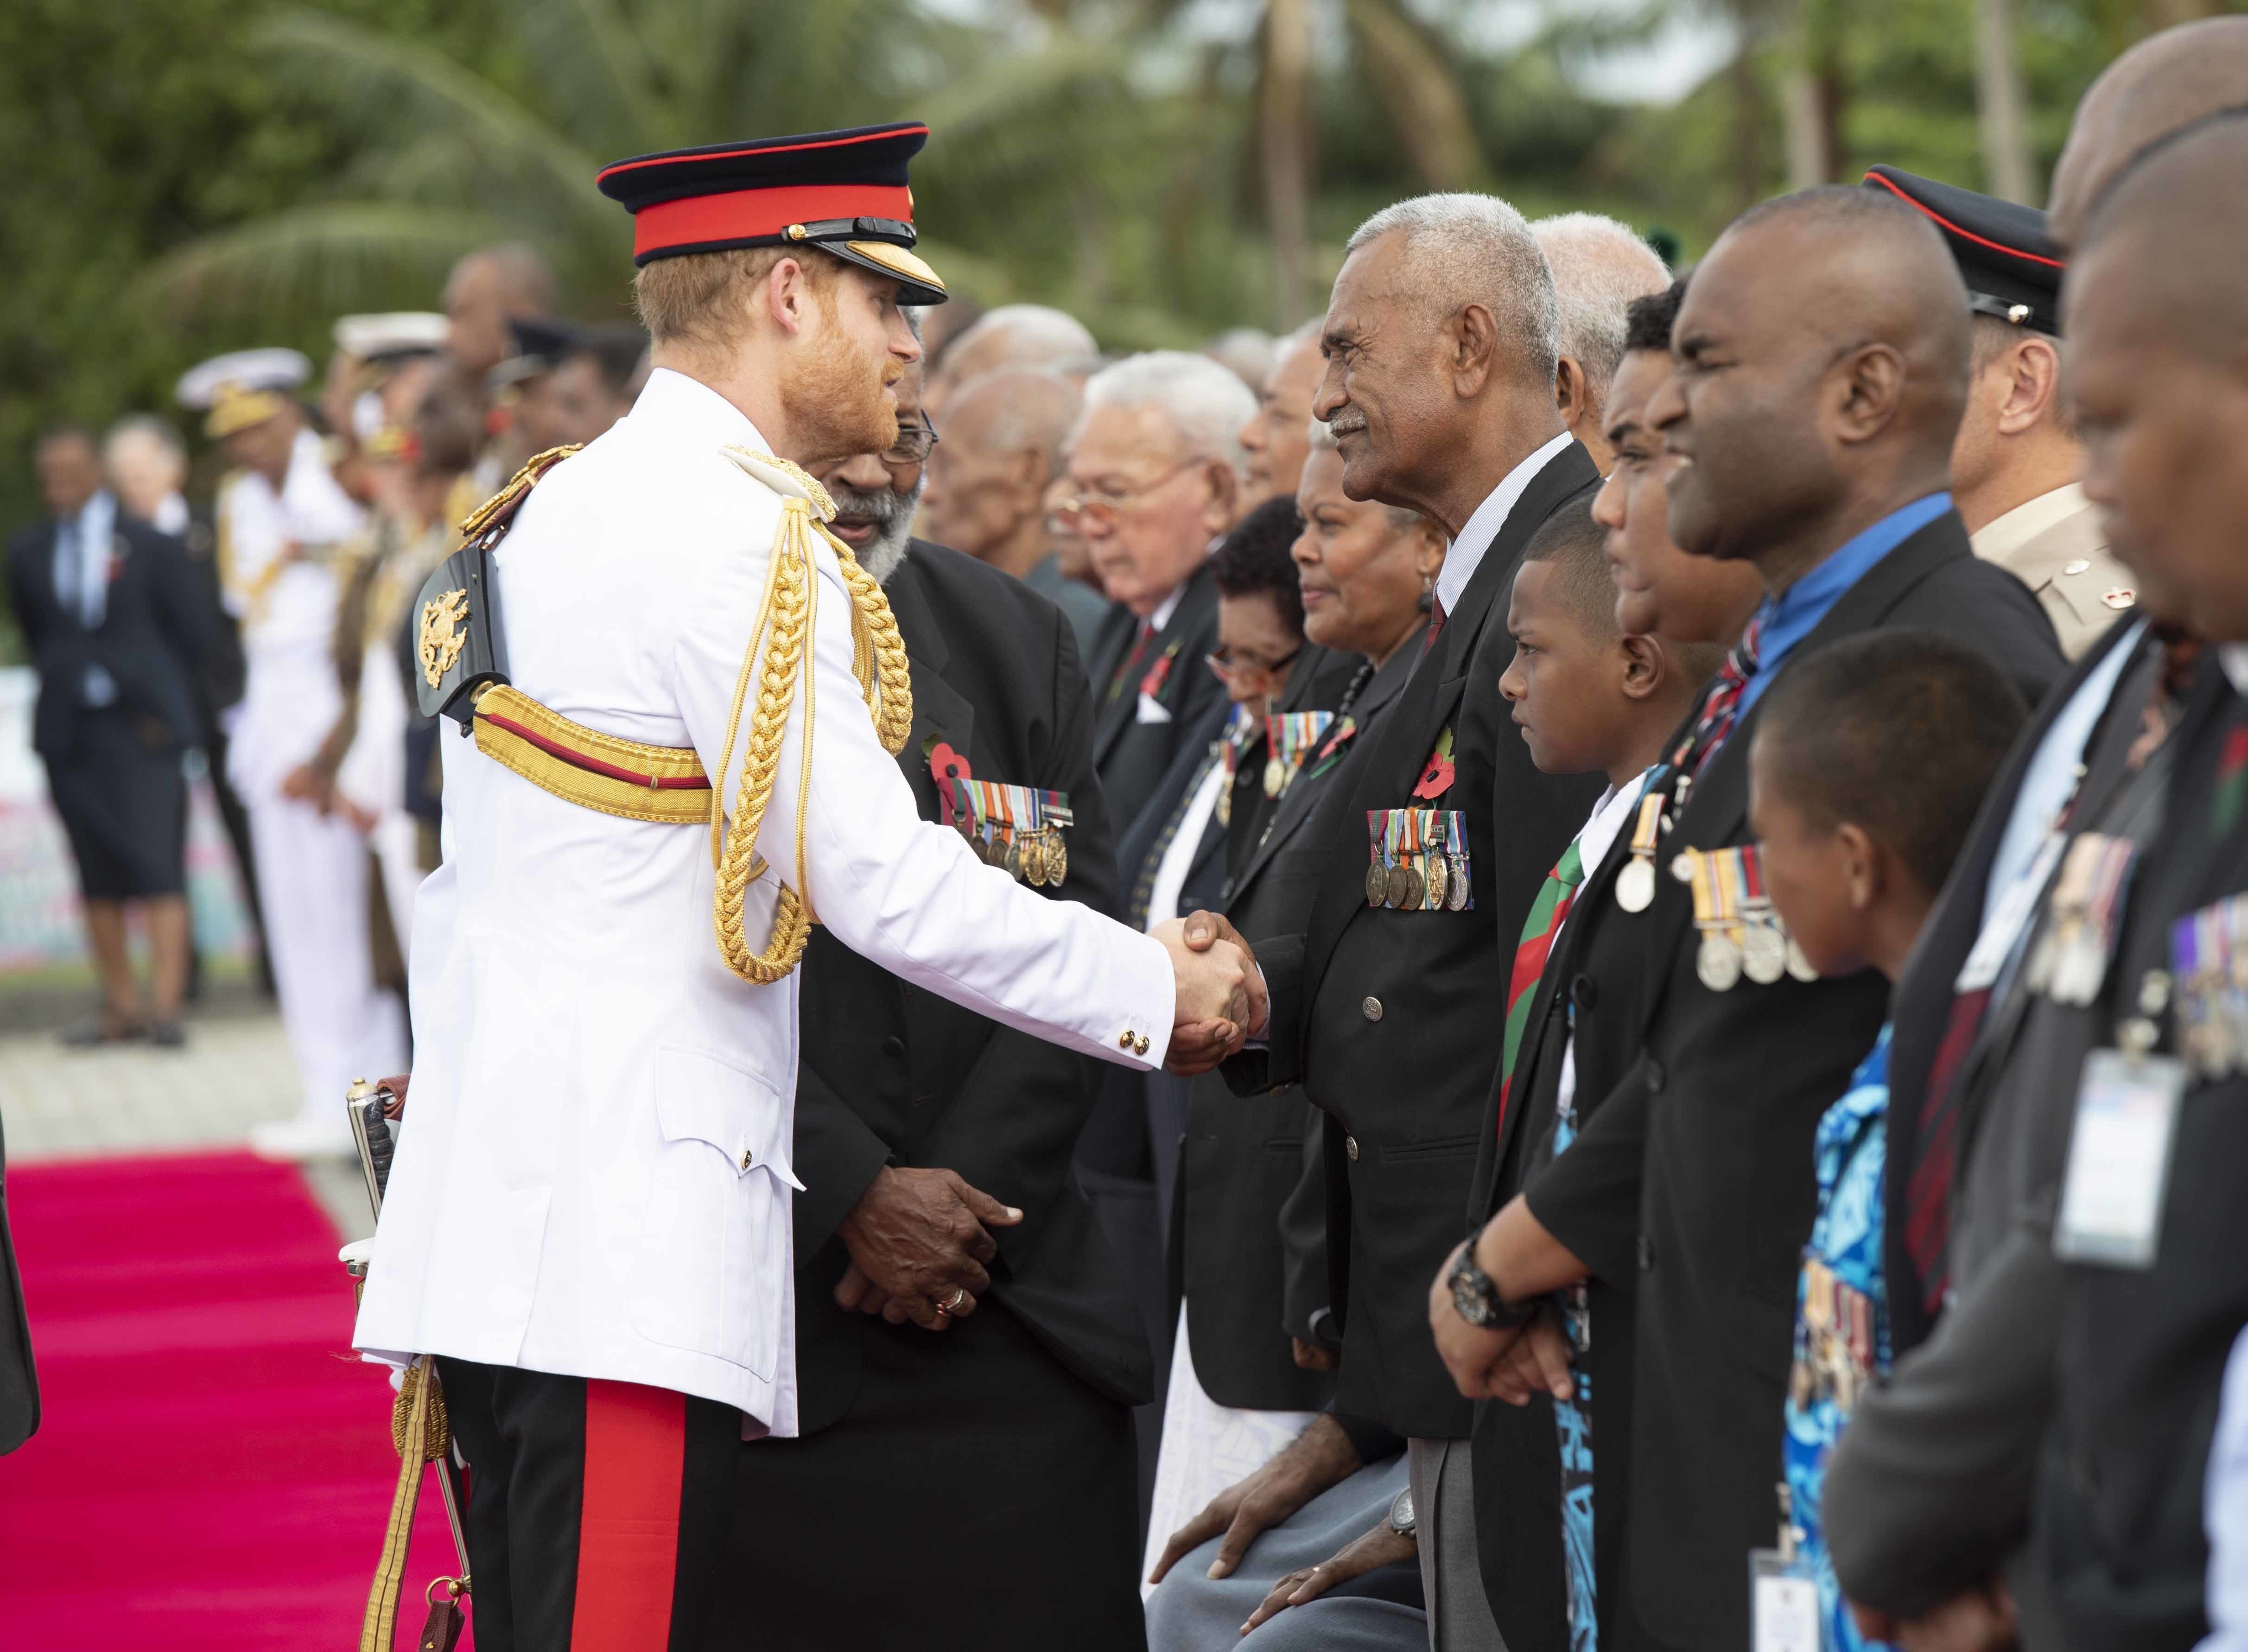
<point x="1475" y="1297"/>
<point x="1400" y="1513"/>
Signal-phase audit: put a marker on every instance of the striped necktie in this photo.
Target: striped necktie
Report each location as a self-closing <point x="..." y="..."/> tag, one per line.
<point x="1530" y="954"/>
<point x="1722" y="706"/>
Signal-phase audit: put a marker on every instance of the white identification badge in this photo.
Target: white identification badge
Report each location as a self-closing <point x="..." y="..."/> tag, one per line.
<point x="2111" y="1199"/>
<point x="1783" y="1603"/>
<point x="1996" y="944"/>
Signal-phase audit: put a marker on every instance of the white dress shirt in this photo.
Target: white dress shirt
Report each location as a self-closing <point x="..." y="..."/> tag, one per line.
<point x="1178" y="854"/>
<point x="1477" y="533"/>
<point x="2051" y="778"/>
<point x="1594" y="842"/>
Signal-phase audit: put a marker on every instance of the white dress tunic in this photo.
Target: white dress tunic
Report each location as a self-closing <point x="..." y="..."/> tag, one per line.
<point x="594" y="1181"/>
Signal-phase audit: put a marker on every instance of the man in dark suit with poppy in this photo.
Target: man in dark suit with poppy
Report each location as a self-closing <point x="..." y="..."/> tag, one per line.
<point x="108" y="608"/>
<point x="996" y="1453"/>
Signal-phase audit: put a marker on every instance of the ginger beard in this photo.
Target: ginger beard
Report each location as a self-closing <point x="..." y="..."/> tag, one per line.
<point x="835" y="398"/>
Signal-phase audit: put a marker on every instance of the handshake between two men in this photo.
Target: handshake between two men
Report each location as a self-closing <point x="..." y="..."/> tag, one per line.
<point x="920" y="1240"/>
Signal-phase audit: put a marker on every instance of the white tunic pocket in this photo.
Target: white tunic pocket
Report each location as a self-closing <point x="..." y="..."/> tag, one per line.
<point x="713" y="1264"/>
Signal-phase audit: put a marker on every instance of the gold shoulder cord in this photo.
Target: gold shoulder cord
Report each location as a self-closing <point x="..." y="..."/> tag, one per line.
<point x="778" y="645"/>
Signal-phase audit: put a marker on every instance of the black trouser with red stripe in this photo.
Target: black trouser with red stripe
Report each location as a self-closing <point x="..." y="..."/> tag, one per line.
<point x="599" y="1512"/>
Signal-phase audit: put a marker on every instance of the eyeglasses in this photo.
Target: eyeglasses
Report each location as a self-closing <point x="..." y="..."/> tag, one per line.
<point x="1227" y="668"/>
<point x="912" y="446"/>
<point x="1104" y="510"/>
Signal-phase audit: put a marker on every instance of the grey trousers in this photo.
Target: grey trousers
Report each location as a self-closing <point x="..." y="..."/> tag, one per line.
<point x="1451" y="1575"/>
<point x="1191" y="1613"/>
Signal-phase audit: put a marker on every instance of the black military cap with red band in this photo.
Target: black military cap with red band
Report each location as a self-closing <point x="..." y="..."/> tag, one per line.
<point x="843" y="192"/>
<point x="2010" y="265"/>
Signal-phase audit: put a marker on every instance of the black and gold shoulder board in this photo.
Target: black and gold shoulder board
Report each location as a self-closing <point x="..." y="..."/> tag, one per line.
<point x="459" y="647"/>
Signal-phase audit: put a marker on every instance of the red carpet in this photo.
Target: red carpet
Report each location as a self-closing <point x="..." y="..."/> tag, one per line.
<point x="212" y="1472"/>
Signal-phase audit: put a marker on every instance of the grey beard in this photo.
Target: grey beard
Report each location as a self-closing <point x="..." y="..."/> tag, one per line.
<point x="892" y="512"/>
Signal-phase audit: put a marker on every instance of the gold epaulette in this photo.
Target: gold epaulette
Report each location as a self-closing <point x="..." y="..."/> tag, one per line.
<point x="504" y="504"/>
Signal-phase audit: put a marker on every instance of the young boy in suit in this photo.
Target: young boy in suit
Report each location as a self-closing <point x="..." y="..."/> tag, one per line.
<point x="1589" y="697"/>
<point x="1865" y="777"/>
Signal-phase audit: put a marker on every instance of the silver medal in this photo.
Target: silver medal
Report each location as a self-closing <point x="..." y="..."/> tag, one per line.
<point x="1764" y="953"/>
<point x="1635" y="885"/>
<point x="1719" y="961"/>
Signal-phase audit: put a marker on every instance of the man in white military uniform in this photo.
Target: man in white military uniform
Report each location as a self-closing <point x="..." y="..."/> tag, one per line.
<point x="282" y="519"/>
<point x="588" y="1219"/>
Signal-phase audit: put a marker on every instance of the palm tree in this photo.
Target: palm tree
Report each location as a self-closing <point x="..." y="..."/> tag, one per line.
<point x="450" y="157"/>
<point x="2000" y="100"/>
<point x="1402" y="63"/>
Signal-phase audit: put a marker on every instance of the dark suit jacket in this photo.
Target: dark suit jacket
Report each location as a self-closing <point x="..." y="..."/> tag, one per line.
<point x="19" y="1381"/>
<point x="224" y="671"/>
<point x="152" y="639"/>
<point x="1131" y="755"/>
<point x="1385" y="1018"/>
<point x="1245" y="1155"/>
<point x="1698" y="1166"/>
<point x="892" y="1074"/>
<point x="1921" y="1007"/>
<point x="2119" y="1527"/>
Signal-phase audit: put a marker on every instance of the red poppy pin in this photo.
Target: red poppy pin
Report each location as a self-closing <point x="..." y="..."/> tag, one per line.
<point x="1158" y="674"/>
<point x="1437" y="772"/>
<point x="946" y="765"/>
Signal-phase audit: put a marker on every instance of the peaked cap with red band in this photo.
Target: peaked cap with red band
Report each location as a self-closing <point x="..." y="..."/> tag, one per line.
<point x="844" y="192"/>
<point x="2010" y="265"/>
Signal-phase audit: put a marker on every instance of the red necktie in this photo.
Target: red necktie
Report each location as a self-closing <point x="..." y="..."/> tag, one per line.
<point x="1140" y="641"/>
<point x="1927" y="1193"/>
<point x="1436" y="624"/>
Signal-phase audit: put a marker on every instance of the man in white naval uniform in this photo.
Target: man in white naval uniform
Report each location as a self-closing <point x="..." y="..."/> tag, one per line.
<point x="588" y="1222"/>
<point x="281" y="517"/>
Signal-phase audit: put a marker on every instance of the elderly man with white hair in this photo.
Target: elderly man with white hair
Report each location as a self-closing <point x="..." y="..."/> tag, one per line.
<point x="1599" y="266"/>
<point x="1441" y="341"/>
<point x="1155" y="475"/>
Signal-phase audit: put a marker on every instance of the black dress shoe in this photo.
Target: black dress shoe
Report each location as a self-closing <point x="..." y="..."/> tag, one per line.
<point x="167" y="1035"/>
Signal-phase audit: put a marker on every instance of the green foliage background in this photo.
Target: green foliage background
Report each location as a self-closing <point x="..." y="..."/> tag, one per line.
<point x="190" y="175"/>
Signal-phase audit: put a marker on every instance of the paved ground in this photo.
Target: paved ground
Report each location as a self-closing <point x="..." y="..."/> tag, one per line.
<point x="237" y="1069"/>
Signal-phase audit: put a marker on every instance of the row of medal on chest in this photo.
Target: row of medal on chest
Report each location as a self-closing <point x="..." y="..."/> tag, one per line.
<point x="1417" y="861"/>
<point x="1016" y="829"/>
<point x="1742" y="934"/>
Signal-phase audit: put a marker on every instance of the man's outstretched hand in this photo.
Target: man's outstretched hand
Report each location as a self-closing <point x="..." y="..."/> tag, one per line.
<point x="1221" y="995"/>
<point x="1200" y="1041"/>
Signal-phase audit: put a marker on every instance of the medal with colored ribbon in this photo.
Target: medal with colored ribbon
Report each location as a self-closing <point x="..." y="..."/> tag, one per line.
<point x="1237" y="729"/>
<point x="1718" y="960"/>
<point x="2209" y="970"/>
<point x="1764" y="939"/>
<point x="1635" y="884"/>
<point x="1290" y="737"/>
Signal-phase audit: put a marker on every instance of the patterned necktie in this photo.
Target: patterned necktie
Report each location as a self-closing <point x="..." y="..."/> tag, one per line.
<point x="1143" y="886"/>
<point x="1140" y="640"/>
<point x="1530" y="954"/>
<point x="1722" y="706"/>
<point x="1436" y="624"/>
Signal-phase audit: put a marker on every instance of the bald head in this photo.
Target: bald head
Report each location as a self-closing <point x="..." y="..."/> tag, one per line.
<point x="487" y="288"/>
<point x="1012" y="410"/>
<point x="2168" y="81"/>
<point x="1014" y="335"/>
<point x="1824" y="347"/>
<point x="1003" y="440"/>
<point x="2156" y="308"/>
